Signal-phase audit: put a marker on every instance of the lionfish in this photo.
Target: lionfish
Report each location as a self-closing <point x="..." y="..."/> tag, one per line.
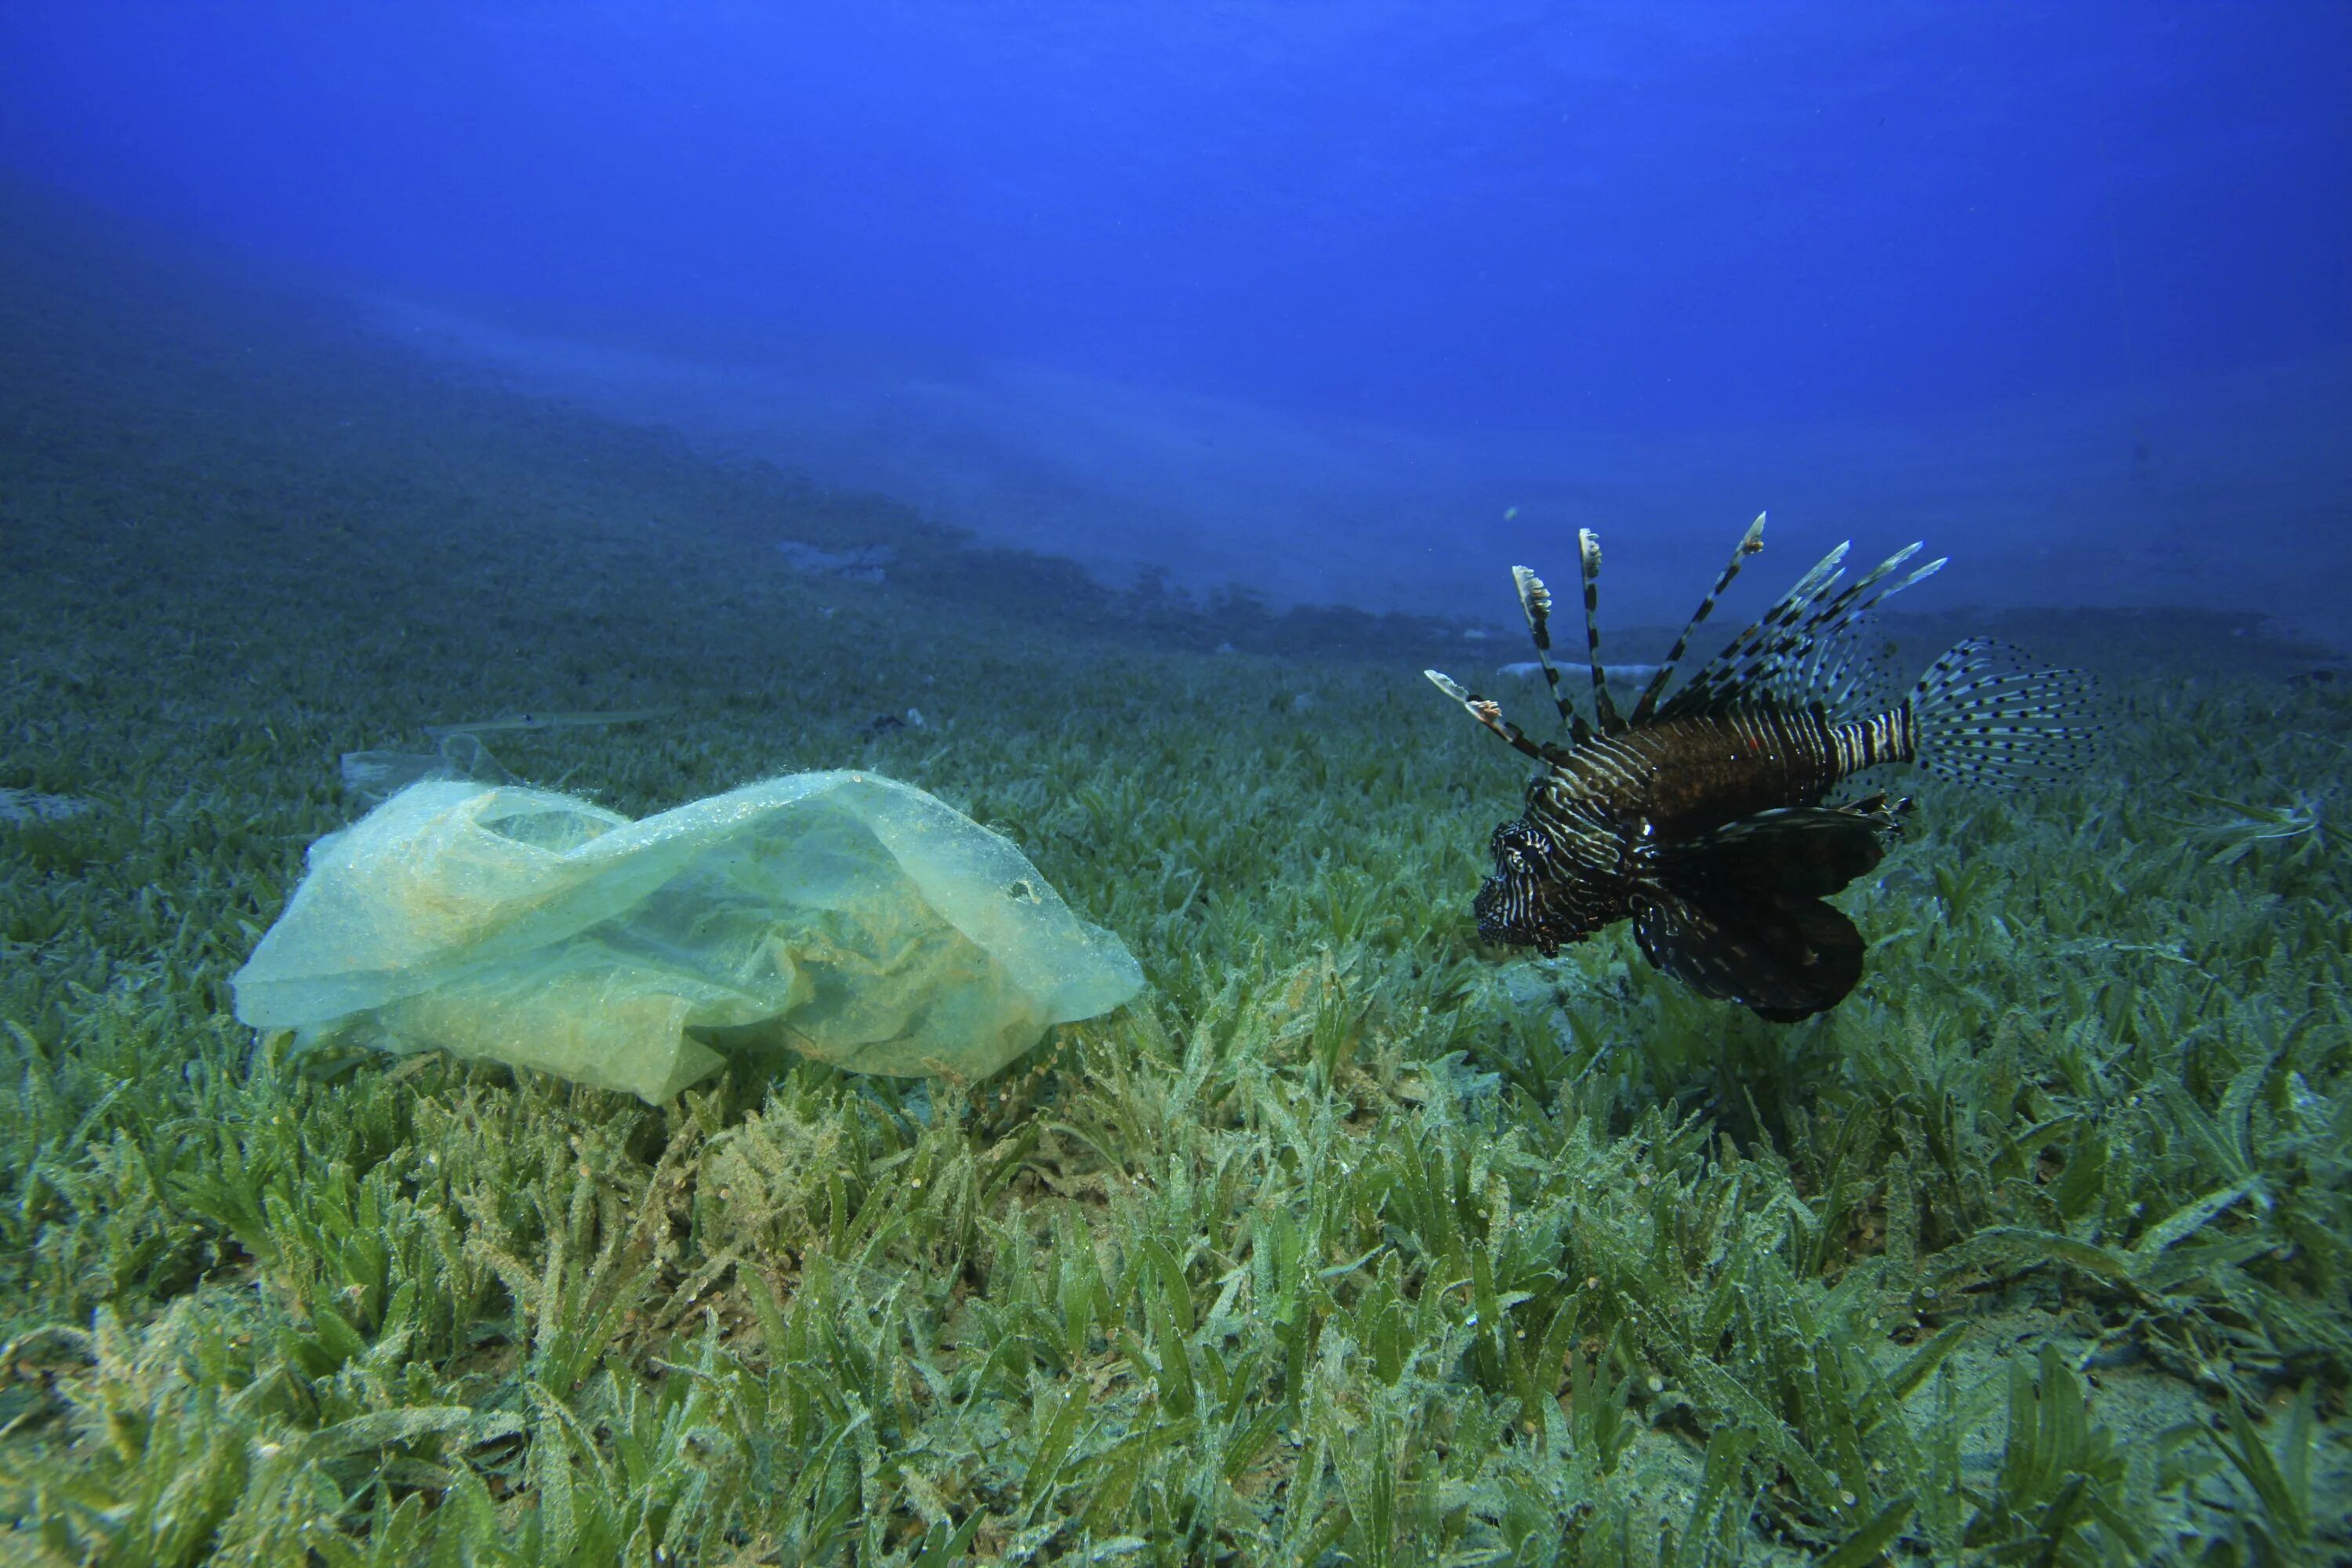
<point x="1704" y="817"/>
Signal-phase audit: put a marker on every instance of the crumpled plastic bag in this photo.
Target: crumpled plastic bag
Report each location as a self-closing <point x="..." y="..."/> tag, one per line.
<point x="849" y="917"/>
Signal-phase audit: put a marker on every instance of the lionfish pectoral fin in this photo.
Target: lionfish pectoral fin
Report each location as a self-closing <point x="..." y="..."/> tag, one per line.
<point x="1784" y="957"/>
<point x="1804" y="851"/>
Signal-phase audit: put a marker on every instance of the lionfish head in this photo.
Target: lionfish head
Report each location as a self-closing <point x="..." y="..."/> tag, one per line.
<point x="1532" y="898"/>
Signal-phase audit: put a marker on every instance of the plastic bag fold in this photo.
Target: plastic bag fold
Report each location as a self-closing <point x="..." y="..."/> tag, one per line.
<point x="852" y="917"/>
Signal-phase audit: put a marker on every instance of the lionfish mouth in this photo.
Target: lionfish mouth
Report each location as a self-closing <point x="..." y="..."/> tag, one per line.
<point x="1492" y="907"/>
<point x="1507" y="914"/>
<point x="1510" y="902"/>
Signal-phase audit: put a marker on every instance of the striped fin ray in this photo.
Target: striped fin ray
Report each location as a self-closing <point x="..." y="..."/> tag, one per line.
<point x="1985" y="714"/>
<point x="1823" y="669"/>
<point x="1487" y="711"/>
<point x="1779" y="666"/>
<point x="1720" y="682"/>
<point x="1749" y="543"/>
<point x="1535" y="602"/>
<point x="1605" y="707"/>
<point x="1800" y="654"/>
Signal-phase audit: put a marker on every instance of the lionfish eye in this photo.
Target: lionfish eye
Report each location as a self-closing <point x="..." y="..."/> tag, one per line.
<point x="1511" y="847"/>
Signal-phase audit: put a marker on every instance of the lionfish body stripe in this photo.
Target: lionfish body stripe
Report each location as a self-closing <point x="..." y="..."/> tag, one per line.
<point x="1705" y="817"/>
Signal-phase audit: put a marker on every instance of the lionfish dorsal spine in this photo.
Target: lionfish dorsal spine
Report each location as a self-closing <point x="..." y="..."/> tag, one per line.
<point x="1749" y="543"/>
<point x="1813" y="665"/>
<point x="1535" y="602"/>
<point x="1487" y="711"/>
<point x="1605" y="707"/>
<point x="1726" y="677"/>
<point x="1820" y="667"/>
<point x="1850" y="604"/>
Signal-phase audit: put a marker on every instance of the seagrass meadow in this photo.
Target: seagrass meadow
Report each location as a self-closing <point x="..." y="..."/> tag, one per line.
<point x="1350" y="1241"/>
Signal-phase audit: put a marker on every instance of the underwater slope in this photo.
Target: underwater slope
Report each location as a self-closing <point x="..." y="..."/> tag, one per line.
<point x="1350" y="1238"/>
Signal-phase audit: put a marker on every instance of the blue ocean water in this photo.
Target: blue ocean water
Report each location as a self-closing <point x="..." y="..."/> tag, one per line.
<point x="397" y="655"/>
<point x="1345" y="302"/>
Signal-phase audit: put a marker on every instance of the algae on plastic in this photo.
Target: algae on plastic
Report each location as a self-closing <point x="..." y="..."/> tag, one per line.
<point x="849" y="917"/>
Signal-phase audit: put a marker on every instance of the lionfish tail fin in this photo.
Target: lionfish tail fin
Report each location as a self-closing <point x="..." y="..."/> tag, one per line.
<point x="1605" y="707"/>
<point x="1985" y="714"/>
<point x="1749" y="543"/>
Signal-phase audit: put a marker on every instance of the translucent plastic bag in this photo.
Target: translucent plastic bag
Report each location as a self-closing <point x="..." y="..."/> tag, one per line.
<point x="854" y="919"/>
